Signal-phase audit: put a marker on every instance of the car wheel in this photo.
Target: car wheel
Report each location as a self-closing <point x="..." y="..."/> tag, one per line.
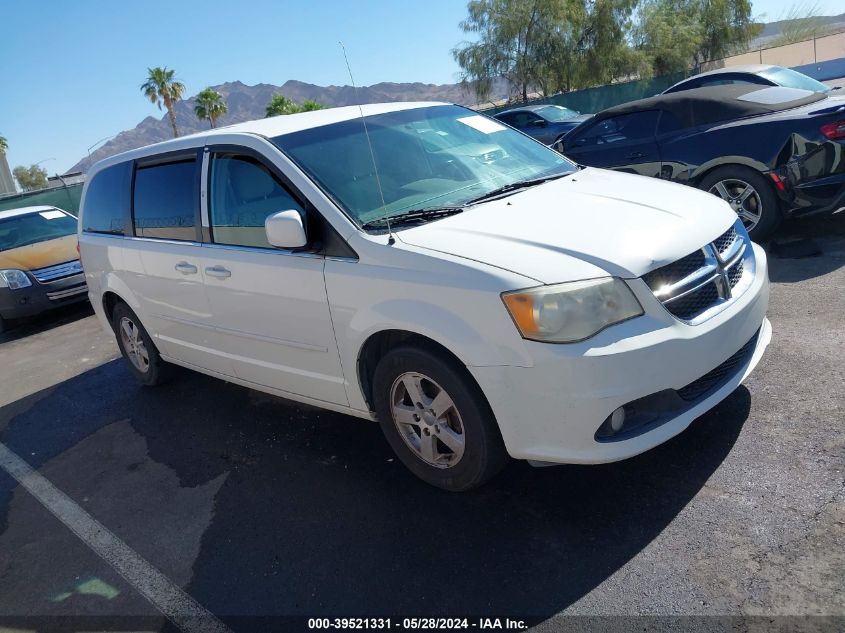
<point x="749" y="195"/>
<point x="436" y="419"/>
<point x="137" y="347"/>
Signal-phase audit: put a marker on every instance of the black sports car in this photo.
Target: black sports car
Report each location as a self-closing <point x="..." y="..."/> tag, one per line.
<point x="547" y="123"/>
<point x="769" y="152"/>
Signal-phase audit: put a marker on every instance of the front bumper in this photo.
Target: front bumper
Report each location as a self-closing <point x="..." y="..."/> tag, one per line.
<point x="40" y="297"/>
<point x="550" y="412"/>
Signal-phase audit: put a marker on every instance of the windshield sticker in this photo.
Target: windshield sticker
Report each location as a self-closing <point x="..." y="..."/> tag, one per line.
<point x="51" y="215"/>
<point x="482" y="124"/>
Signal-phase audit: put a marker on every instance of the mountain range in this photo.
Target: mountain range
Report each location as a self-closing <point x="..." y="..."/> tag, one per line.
<point x="248" y="102"/>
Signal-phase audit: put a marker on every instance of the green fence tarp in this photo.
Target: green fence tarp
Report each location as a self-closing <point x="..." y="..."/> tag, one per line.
<point x="66" y="198"/>
<point x="592" y="100"/>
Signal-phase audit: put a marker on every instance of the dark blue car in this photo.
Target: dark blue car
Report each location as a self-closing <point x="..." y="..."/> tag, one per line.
<point x="547" y="123"/>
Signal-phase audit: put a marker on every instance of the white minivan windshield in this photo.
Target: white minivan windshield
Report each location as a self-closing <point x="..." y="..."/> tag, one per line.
<point x="428" y="158"/>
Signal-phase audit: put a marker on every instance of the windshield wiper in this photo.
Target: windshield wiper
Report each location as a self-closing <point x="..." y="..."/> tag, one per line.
<point x="516" y="186"/>
<point x="414" y="215"/>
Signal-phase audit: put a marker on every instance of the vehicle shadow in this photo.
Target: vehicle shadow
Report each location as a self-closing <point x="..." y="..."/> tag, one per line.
<point x="23" y="328"/>
<point x="807" y="248"/>
<point x="315" y="516"/>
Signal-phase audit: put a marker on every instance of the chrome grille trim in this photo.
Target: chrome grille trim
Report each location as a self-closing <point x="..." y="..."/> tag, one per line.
<point x="58" y="295"/>
<point x="58" y="271"/>
<point x="727" y="270"/>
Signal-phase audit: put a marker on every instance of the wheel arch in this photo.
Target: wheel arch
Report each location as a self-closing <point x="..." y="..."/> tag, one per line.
<point x="378" y="344"/>
<point x="709" y="167"/>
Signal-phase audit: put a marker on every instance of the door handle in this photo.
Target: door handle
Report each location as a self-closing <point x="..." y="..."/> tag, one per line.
<point x="635" y="155"/>
<point x="185" y="268"/>
<point x="218" y="271"/>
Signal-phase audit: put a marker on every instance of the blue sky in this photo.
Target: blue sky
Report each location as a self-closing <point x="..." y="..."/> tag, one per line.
<point x="72" y="70"/>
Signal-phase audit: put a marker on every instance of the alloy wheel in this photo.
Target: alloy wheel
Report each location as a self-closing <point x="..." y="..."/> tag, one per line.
<point x="743" y="198"/>
<point x="133" y="344"/>
<point x="427" y="420"/>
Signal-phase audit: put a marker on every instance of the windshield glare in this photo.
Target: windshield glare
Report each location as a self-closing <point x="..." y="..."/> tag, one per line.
<point x="22" y="230"/>
<point x="427" y="158"/>
<point x="556" y="113"/>
<point x="793" y="79"/>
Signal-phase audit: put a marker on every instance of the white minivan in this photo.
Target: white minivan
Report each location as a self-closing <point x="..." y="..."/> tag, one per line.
<point x="424" y="266"/>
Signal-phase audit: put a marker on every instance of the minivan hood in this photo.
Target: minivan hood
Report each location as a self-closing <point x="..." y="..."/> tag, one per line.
<point x="40" y="254"/>
<point x="591" y="223"/>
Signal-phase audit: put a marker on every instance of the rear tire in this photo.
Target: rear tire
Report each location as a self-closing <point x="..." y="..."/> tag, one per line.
<point x="750" y="195"/>
<point x="137" y="347"/>
<point x="436" y="419"/>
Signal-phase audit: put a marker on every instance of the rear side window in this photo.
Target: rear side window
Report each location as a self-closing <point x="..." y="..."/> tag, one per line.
<point x="165" y="201"/>
<point x="107" y="201"/>
<point x="637" y="126"/>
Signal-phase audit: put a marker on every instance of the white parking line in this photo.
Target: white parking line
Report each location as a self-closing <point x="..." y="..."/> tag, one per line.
<point x="180" y="608"/>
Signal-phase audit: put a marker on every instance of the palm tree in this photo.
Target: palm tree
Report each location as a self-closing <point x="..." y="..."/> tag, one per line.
<point x="4" y="145"/>
<point x="280" y="104"/>
<point x="161" y="86"/>
<point x="309" y="105"/>
<point x="210" y="105"/>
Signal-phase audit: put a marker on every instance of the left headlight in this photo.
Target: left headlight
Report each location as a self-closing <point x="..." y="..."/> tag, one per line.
<point x="14" y="279"/>
<point x="571" y="312"/>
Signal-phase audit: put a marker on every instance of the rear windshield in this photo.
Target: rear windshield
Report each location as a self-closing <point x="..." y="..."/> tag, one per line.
<point x="556" y="113"/>
<point x="793" y="79"/>
<point x="21" y="230"/>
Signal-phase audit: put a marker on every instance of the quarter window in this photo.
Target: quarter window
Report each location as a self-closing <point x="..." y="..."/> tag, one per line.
<point x="107" y="201"/>
<point x="165" y="200"/>
<point x="243" y="194"/>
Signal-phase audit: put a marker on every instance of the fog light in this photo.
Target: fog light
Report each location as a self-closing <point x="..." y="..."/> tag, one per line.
<point x="612" y="425"/>
<point x="617" y="419"/>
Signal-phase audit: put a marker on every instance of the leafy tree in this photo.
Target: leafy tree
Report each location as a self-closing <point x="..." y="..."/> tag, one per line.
<point x="667" y="35"/>
<point x="550" y="45"/>
<point x="560" y="45"/>
<point x="210" y="105"/>
<point x="727" y="28"/>
<point x="31" y="178"/>
<point x="280" y="104"/>
<point x="512" y="35"/>
<point x="801" y="22"/>
<point x="602" y="47"/>
<point x="162" y="86"/>
<point x="4" y="145"/>
<point x="675" y="34"/>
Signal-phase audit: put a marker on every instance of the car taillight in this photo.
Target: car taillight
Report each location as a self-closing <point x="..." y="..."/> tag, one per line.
<point x="834" y="131"/>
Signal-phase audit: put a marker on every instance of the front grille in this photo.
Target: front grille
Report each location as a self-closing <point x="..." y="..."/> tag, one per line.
<point x="59" y="271"/>
<point x="723" y="243"/>
<point x="715" y="378"/>
<point x="694" y="303"/>
<point x="693" y="285"/>
<point x="674" y="272"/>
<point x="67" y="293"/>
<point x="735" y="273"/>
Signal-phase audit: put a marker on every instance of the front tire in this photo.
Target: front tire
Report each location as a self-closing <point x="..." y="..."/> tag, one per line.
<point x="749" y="195"/>
<point x="436" y="419"/>
<point x="137" y="347"/>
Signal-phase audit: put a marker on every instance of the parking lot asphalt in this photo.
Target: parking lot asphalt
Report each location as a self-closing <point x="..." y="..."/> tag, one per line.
<point x="257" y="507"/>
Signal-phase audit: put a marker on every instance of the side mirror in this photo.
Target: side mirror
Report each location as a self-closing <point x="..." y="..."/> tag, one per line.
<point x="285" y="229"/>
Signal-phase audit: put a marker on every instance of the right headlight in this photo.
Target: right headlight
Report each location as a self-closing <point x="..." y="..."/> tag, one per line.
<point x="14" y="279"/>
<point x="571" y="312"/>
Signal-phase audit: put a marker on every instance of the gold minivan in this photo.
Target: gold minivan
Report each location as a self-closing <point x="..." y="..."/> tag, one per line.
<point x="39" y="262"/>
